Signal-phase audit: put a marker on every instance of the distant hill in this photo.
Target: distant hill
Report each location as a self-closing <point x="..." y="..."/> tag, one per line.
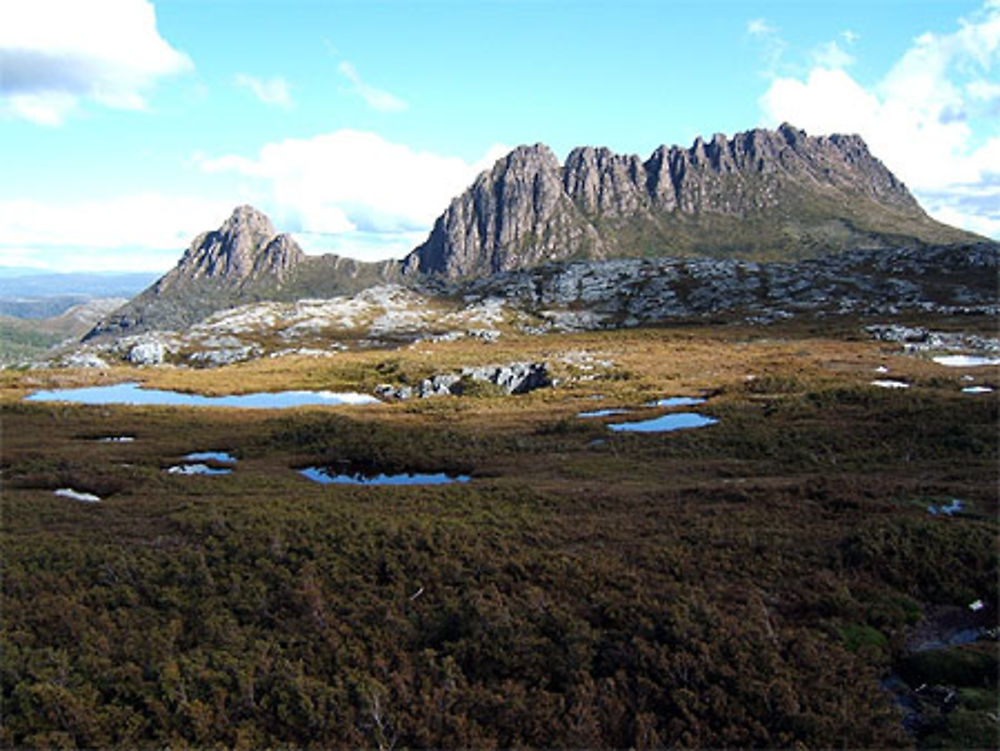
<point x="36" y="293"/>
<point x="27" y="339"/>
<point x="762" y="196"/>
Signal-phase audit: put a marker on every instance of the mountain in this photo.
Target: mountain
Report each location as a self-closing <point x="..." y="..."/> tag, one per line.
<point x="244" y="260"/>
<point x="762" y="195"/>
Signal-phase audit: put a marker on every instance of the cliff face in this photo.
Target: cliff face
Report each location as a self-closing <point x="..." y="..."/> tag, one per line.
<point x="762" y="194"/>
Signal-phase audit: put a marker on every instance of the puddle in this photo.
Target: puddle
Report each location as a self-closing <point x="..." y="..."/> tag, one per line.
<point x="131" y="393"/>
<point x="198" y="469"/>
<point x="116" y="439"/>
<point x="676" y="401"/>
<point x="952" y="508"/>
<point x="665" y="423"/>
<point x="977" y="390"/>
<point x="76" y="495"/>
<point x="217" y="456"/>
<point x="891" y="384"/>
<point x="326" y="477"/>
<point x="603" y="413"/>
<point x="965" y="361"/>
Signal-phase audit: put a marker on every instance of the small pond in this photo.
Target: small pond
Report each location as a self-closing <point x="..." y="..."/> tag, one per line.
<point x="665" y="423"/>
<point x="76" y="495"/>
<point x="948" y="510"/>
<point x="132" y="393"/>
<point x="223" y="457"/>
<point x="966" y="361"/>
<point x="198" y="469"/>
<point x="677" y="401"/>
<point x="977" y="390"/>
<point x="887" y="384"/>
<point x="603" y="413"/>
<point x="327" y="477"/>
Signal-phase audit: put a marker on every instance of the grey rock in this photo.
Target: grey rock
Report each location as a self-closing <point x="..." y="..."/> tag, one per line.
<point x="514" y="378"/>
<point x="148" y="352"/>
<point x="388" y="392"/>
<point x="83" y="360"/>
<point x="215" y="358"/>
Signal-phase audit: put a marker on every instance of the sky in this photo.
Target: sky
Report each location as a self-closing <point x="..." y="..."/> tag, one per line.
<point x="127" y="127"/>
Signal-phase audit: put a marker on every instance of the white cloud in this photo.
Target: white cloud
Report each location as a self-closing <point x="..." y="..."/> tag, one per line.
<point x="54" y="53"/>
<point x="849" y="36"/>
<point x="760" y="27"/>
<point x="136" y="232"/>
<point x="918" y="118"/>
<point x="831" y="55"/>
<point x="377" y="99"/>
<point x="354" y="191"/>
<point x="273" y="91"/>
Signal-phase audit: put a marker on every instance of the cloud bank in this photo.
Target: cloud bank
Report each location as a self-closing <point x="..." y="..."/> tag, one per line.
<point x="56" y="53"/>
<point x="353" y="191"/>
<point x="933" y="119"/>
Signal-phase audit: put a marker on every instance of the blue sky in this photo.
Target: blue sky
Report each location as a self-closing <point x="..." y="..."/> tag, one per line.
<point x="129" y="126"/>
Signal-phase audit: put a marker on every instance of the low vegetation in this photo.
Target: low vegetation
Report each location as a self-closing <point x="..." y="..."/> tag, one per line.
<point x="747" y="584"/>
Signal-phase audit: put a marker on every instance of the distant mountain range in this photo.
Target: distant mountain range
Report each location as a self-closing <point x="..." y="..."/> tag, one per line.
<point x="761" y="196"/>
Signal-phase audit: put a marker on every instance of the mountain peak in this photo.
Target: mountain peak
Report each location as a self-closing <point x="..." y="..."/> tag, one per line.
<point x="763" y="195"/>
<point x="246" y="219"/>
<point x="245" y="246"/>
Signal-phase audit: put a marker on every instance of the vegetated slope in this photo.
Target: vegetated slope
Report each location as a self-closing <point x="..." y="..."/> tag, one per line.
<point x="245" y="260"/>
<point x="763" y="195"/>
<point x="22" y="340"/>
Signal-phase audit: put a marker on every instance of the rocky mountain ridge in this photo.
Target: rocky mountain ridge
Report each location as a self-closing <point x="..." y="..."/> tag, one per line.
<point x="762" y="195"/>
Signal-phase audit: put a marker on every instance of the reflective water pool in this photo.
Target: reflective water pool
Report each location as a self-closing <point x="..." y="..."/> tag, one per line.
<point x="665" y="423"/>
<point x="677" y="401"/>
<point x="966" y="361"/>
<point x="206" y="456"/>
<point x="132" y="393"/>
<point x="886" y="384"/>
<point x="327" y="477"/>
<point x="198" y="469"/>
<point x="76" y="495"/>
<point x="603" y="413"/>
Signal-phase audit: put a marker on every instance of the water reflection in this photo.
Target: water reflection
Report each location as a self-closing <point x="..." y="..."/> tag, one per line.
<point x="132" y="393"/>
<point x="665" y="423"/>
<point x="327" y="477"/>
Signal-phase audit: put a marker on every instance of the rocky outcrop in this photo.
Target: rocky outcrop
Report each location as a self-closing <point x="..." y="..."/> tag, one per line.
<point x="512" y="378"/>
<point x="760" y="195"/>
